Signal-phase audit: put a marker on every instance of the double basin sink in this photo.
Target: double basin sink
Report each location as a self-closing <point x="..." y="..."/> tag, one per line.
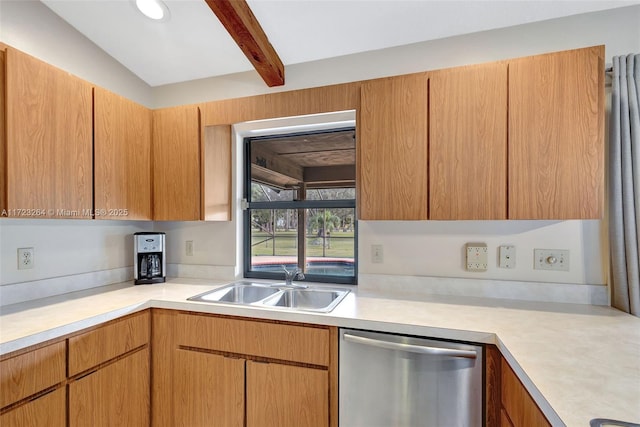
<point x="275" y="295"/>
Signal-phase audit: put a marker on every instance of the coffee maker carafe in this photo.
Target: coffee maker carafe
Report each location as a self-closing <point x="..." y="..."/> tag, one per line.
<point x="149" y="258"/>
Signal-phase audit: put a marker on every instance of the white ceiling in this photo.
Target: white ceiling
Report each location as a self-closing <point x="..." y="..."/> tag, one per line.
<point x="192" y="44"/>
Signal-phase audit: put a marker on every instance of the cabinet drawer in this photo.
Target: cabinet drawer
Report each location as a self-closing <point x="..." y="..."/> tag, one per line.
<point x="29" y="373"/>
<point x="271" y="340"/>
<point x="100" y="345"/>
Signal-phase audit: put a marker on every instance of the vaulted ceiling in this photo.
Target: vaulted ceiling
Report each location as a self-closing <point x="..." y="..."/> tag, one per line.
<point x="193" y="44"/>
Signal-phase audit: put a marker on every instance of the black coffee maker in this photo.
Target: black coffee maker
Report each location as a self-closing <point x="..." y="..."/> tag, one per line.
<point x="149" y="258"/>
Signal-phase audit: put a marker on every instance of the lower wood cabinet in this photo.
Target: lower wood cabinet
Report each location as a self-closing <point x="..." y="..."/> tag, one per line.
<point x="518" y="408"/>
<point x="32" y="391"/>
<point x="115" y="395"/>
<point x="208" y="387"/>
<point x="284" y="395"/>
<point x="46" y="411"/>
<point x="241" y="372"/>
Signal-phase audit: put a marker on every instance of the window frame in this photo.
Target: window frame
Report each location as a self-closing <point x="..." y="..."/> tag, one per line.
<point x="293" y="204"/>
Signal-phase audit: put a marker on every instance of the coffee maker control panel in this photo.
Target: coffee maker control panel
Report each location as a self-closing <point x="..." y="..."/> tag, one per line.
<point x="150" y="244"/>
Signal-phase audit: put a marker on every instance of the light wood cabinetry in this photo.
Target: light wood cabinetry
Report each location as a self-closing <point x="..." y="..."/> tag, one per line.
<point x="29" y="373"/>
<point x="114" y="395"/>
<point x="468" y="143"/>
<point x="283" y="395"/>
<point x="122" y="150"/>
<point x="556" y="136"/>
<point x="392" y="141"/>
<point x="208" y="387"/>
<point x="49" y="140"/>
<point x="272" y="373"/>
<point x="108" y="342"/>
<point x="109" y="370"/>
<point x="216" y="173"/>
<point x="32" y="387"/>
<point x="176" y="164"/>
<point x="518" y="408"/>
<point x="46" y="411"/>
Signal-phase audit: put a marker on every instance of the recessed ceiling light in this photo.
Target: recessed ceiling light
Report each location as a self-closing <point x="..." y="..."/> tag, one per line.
<point x="153" y="9"/>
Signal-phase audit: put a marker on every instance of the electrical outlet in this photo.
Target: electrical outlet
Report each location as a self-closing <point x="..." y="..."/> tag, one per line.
<point x="551" y="259"/>
<point x="188" y="250"/>
<point x="477" y="254"/>
<point x="507" y="256"/>
<point x="25" y="258"/>
<point x="377" y="256"/>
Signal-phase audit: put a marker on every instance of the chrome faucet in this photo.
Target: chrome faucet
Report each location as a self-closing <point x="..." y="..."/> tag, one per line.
<point x="291" y="275"/>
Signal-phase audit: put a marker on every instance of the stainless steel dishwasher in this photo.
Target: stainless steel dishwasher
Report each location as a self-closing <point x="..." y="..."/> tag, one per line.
<point x="391" y="380"/>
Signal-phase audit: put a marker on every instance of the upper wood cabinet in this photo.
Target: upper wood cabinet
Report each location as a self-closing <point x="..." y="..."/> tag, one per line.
<point x="556" y="136"/>
<point x="392" y="149"/>
<point x="49" y="140"/>
<point x="468" y="143"/>
<point x="176" y="164"/>
<point x="122" y="150"/>
<point x="216" y="173"/>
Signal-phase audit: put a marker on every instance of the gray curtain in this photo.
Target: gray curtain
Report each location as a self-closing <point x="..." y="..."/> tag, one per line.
<point x="624" y="195"/>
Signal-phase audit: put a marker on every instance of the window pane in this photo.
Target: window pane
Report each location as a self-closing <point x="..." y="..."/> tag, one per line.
<point x="330" y="241"/>
<point x="264" y="193"/>
<point x="328" y="248"/>
<point x="331" y="194"/>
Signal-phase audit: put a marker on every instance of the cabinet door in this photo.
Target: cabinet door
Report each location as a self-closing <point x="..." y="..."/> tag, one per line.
<point x="518" y="408"/>
<point x="468" y="143"/>
<point x="176" y="164"/>
<point x="49" y="410"/>
<point x="216" y="173"/>
<point x="208" y="390"/>
<point x="49" y="140"/>
<point x="115" y="395"/>
<point x="286" y="396"/>
<point x="392" y="149"/>
<point x="556" y="137"/>
<point x="122" y="158"/>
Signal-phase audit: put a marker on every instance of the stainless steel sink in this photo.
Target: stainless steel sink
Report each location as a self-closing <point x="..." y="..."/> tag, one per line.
<point x="316" y="299"/>
<point x="275" y="295"/>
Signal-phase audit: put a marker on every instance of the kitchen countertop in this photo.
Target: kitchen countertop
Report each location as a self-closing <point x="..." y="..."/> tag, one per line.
<point x="577" y="361"/>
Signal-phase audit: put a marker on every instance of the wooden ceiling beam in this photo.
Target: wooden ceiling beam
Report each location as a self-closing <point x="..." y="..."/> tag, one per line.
<point x="242" y="25"/>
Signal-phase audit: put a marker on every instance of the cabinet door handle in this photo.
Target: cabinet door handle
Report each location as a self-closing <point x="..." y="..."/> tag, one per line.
<point x="421" y="349"/>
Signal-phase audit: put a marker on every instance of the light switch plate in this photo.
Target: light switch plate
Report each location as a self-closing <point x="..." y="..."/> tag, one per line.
<point x="507" y="256"/>
<point x="551" y="259"/>
<point x="377" y="254"/>
<point x="477" y="255"/>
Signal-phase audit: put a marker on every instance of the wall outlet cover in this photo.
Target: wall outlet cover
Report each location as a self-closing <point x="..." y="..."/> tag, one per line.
<point x="477" y="255"/>
<point x="25" y="258"/>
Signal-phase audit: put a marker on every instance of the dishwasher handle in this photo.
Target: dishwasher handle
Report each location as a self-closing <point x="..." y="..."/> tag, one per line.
<point x="421" y="349"/>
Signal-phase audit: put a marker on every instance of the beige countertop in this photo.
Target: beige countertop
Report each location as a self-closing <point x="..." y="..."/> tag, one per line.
<point x="577" y="361"/>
